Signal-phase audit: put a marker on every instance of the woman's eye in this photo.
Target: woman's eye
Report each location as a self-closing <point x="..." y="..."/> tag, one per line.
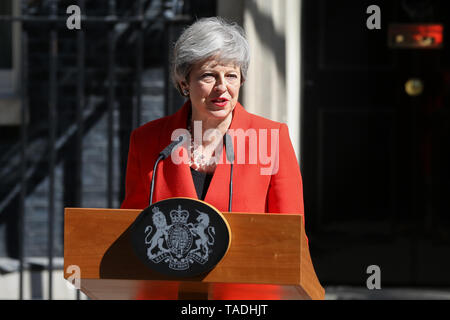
<point x="234" y="76"/>
<point x="208" y="78"/>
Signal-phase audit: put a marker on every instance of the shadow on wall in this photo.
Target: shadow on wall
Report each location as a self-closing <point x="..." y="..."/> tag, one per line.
<point x="267" y="34"/>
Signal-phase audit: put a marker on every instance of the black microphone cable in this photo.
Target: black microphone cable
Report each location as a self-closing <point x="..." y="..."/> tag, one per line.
<point x="163" y="155"/>
<point x="230" y="157"/>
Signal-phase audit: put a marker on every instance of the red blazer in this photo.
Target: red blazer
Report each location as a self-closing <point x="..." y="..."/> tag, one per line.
<point x="280" y="192"/>
<point x="253" y="191"/>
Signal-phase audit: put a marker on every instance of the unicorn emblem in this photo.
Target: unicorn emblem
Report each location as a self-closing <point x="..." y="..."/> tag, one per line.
<point x="205" y="240"/>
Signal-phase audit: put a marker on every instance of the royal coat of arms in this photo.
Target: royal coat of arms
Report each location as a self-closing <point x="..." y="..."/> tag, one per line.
<point x="180" y="243"/>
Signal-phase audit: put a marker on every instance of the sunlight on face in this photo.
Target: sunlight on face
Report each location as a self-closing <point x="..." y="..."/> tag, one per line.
<point x="214" y="89"/>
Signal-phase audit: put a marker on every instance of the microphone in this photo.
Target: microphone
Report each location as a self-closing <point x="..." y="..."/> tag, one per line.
<point x="229" y="148"/>
<point x="165" y="153"/>
<point x="230" y="157"/>
<point x="168" y="150"/>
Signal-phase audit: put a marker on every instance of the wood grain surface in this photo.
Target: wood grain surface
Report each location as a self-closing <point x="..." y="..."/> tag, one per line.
<point x="266" y="249"/>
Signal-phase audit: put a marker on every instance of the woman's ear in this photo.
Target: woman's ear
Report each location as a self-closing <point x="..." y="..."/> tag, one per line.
<point x="242" y="79"/>
<point x="184" y="85"/>
<point x="184" y="88"/>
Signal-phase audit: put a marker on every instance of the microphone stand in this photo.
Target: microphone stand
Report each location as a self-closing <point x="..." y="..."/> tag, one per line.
<point x="230" y="157"/>
<point x="161" y="157"/>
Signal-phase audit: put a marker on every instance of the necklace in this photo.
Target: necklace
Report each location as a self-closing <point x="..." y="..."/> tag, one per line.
<point x="198" y="160"/>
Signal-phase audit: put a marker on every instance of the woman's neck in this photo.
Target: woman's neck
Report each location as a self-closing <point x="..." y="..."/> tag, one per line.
<point x="206" y="139"/>
<point x="211" y="128"/>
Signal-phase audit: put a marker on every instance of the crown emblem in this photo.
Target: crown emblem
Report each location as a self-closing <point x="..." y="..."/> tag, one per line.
<point x="179" y="216"/>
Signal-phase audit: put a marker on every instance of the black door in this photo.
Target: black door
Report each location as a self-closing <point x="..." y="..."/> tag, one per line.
<point x="375" y="157"/>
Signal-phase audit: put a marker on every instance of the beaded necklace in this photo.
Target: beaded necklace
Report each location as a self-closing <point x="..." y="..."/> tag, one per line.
<point x="198" y="160"/>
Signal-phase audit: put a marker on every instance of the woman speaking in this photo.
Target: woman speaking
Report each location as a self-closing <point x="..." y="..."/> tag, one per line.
<point x="209" y="66"/>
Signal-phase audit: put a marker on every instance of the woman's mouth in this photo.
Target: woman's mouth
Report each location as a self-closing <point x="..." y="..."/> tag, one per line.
<point x="220" y="102"/>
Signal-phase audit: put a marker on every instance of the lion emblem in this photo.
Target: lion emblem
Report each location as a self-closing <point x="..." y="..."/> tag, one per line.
<point x="160" y="222"/>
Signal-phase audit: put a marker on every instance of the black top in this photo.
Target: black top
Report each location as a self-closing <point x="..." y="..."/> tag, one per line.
<point x="201" y="182"/>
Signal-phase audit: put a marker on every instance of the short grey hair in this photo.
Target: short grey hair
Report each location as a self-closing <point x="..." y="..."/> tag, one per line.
<point x="207" y="38"/>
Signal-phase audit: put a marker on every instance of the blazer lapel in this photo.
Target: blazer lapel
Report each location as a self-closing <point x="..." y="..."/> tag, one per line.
<point x="219" y="190"/>
<point x="176" y="179"/>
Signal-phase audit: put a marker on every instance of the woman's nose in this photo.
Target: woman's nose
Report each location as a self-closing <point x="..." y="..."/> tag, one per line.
<point x="220" y="84"/>
<point x="220" y="87"/>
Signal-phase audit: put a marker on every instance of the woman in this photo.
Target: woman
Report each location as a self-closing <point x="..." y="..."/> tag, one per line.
<point x="210" y="64"/>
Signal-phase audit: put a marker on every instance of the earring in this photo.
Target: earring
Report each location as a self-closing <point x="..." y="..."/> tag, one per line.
<point x="186" y="92"/>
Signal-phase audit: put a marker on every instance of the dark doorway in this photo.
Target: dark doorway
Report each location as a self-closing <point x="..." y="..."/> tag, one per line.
<point x="375" y="158"/>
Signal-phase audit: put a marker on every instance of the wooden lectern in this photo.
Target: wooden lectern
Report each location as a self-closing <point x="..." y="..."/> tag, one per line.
<point x="268" y="259"/>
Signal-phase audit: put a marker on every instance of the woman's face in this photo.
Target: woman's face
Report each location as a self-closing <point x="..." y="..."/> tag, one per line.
<point x="213" y="89"/>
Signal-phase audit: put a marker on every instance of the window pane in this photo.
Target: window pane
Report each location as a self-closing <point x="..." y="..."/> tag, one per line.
<point x="5" y="37"/>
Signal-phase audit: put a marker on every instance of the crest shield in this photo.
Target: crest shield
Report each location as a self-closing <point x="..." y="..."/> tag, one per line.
<point x="180" y="237"/>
